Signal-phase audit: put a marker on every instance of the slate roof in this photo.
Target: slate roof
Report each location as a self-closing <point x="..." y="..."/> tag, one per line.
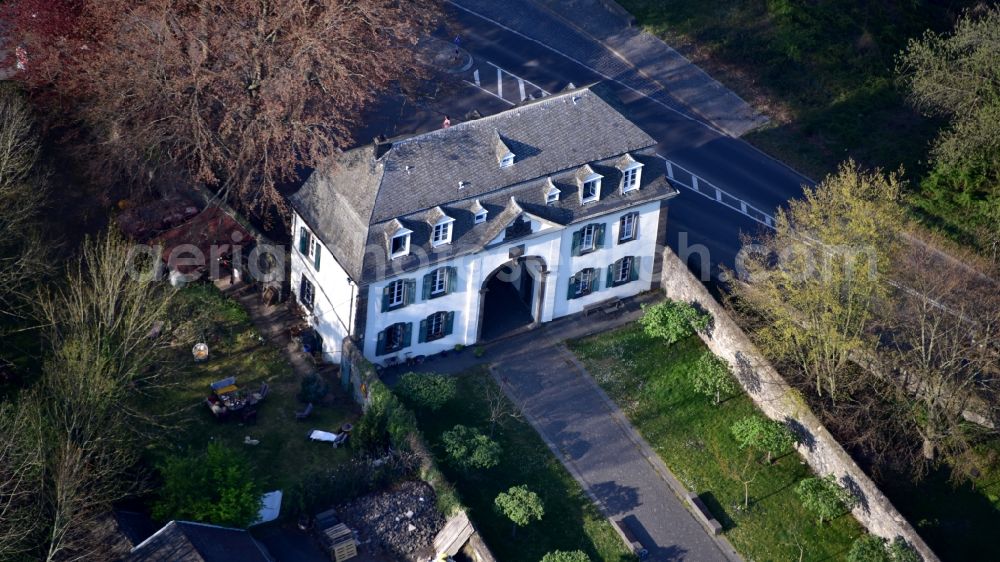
<point x="350" y="205"/>
<point x="182" y="541"/>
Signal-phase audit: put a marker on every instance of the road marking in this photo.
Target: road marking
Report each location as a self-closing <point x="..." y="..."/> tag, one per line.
<point x="520" y="86"/>
<point x="507" y="101"/>
<point x="707" y="190"/>
<point x="499" y="82"/>
<point x="475" y="76"/>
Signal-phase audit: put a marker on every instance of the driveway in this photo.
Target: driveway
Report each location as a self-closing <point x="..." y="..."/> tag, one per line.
<point x="595" y="442"/>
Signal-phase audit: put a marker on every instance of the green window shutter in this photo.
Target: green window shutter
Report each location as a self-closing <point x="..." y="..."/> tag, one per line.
<point x="319" y="252"/>
<point x="577" y="236"/>
<point x="574" y="283"/>
<point x="385" y="297"/>
<point x="428" y="279"/>
<point x="380" y="346"/>
<point x="595" y="282"/>
<point x="449" y="322"/>
<point x="422" y="335"/>
<point x="635" y="269"/>
<point x="407" y="334"/>
<point x="599" y="236"/>
<point x="410" y="292"/>
<point x="303" y="241"/>
<point x="611" y="274"/>
<point x="452" y="279"/>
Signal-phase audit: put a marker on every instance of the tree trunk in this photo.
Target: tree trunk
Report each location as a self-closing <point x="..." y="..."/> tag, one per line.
<point x="929" y="449"/>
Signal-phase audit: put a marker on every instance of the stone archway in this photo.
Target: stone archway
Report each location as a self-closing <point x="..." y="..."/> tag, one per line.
<point x="511" y="297"/>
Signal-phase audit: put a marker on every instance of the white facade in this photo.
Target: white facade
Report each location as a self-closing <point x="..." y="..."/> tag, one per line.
<point x="553" y="244"/>
<point x="332" y="311"/>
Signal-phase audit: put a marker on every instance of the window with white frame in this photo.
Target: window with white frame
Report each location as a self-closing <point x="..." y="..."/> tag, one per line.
<point x="397" y="293"/>
<point x="591" y="190"/>
<point x="395" y="337"/>
<point x="627" y="227"/>
<point x="400" y="244"/>
<point x="507" y="160"/>
<point x="630" y="178"/>
<point x="439" y="281"/>
<point x="442" y="233"/>
<point x="588" y="238"/>
<point x="584" y="282"/>
<point x="307" y="293"/>
<point x="552" y="195"/>
<point x="480" y="216"/>
<point x="435" y="326"/>
<point x="623" y="270"/>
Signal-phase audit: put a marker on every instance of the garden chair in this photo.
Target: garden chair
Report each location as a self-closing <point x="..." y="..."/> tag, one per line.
<point x="304" y="413"/>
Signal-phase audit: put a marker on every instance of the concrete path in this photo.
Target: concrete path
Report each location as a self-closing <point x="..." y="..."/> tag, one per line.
<point x="598" y="446"/>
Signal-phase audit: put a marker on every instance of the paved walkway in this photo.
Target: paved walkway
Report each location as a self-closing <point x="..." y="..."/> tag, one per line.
<point x="589" y="434"/>
<point x="602" y="40"/>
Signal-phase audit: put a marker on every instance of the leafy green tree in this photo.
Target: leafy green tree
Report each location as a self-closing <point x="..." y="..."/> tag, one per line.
<point x="427" y="390"/>
<point x="818" y="278"/>
<point x="520" y="505"/>
<point x="761" y="433"/>
<point x="712" y="377"/>
<point x="217" y="486"/>
<point x="824" y="497"/>
<point x="673" y="321"/>
<point x="566" y="556"/>
<point x="468" y="449"/>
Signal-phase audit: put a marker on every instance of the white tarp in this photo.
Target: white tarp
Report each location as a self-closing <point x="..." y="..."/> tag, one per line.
<point x="317" y="435"/>
<point x="270" y="507"/>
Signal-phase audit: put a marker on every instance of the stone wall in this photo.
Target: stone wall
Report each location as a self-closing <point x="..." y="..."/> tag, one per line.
<point x="779" y="401"/>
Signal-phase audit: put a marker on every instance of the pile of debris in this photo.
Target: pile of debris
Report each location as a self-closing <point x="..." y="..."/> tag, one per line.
<point x="402" y="521"/>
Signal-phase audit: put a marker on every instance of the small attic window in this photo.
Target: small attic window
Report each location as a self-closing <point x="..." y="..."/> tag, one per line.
<point x="631" y="170"/>
<point x="399" y="246"/>
<point x="479" y="213"/>
<point x="442" y="232"/>
<point x="551" y="192"/>
<point x="480" y="216"/>
<point x="591" y="189"/>
<point x="507" y="160"/>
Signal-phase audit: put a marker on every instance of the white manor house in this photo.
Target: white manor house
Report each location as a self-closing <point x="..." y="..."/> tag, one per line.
<point x="456" y="236"/>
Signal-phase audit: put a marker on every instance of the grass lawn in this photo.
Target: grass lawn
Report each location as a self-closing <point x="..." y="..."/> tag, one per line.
<point x="824" y="71"/>
<point x="650" y="382"/>
<point x="570" y="522"/>
<point x="284" y="455"/>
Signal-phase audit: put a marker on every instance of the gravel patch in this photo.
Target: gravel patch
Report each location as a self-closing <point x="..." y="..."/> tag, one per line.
<point x="401" y="522"/>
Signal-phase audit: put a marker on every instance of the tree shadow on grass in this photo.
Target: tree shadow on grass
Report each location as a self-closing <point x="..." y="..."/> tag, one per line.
<point x="717" y="511"/>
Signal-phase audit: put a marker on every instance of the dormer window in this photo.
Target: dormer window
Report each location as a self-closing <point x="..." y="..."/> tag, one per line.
<point x="505" y="156"/>
<point x="631" y="171"/>
<point x="442" y="232"/>
<point x="479" y="212"/>
<point x="551" y="192"/>
<point x="590" y="184"/>
<point x="399" y="245"/>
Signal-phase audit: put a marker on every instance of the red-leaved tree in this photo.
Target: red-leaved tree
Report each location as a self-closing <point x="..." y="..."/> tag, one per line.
<point x="237" y="93"/>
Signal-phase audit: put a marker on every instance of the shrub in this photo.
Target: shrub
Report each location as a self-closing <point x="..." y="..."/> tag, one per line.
<point x="870" y="548"/>
<point x="824" y="497"/>
<point x="467" y="448"/>
<point x="216" y="487"/>
<point x="371" y="434"/>
<point x="566" y="556"/>
<point x="712" y="377"/>
<point x="428" y="391"/>
<point x="673" y="321"/>
<point x="520" y="505"/>
<point x="313" y="388"/>
<point x="762" y="433"/>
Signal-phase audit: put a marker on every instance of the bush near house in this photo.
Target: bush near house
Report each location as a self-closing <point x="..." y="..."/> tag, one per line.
<point x="651" y="382"/>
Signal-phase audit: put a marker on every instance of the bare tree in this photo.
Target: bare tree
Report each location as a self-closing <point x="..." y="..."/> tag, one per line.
<point x="239" y="93"/>
<point x="941" y="329"/>
<point x="22" y="192"/>
<point x="21" y="472"/>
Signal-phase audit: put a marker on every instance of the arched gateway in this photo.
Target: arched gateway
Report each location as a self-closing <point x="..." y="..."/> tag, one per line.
<point x="511" y="297"/>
